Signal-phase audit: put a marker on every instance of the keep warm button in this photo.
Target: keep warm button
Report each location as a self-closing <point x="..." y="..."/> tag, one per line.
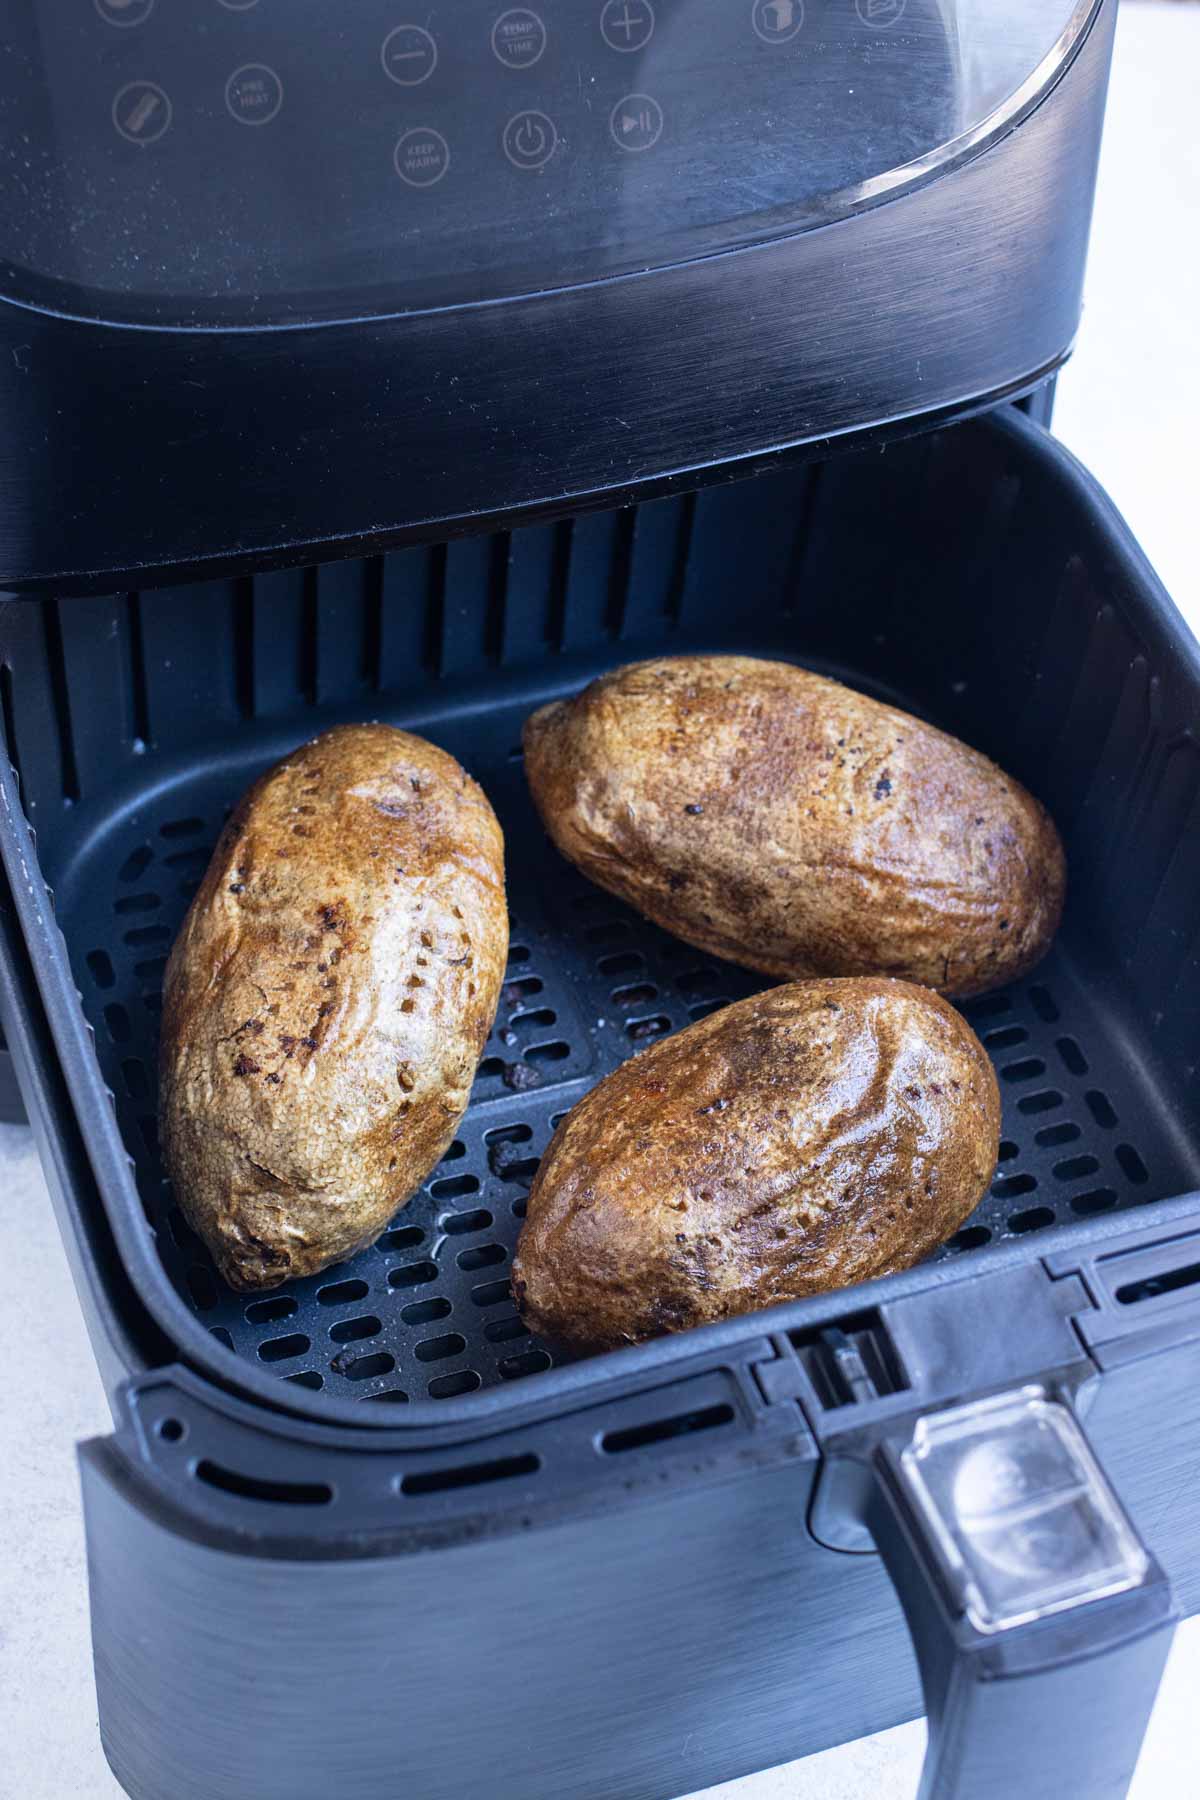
<point x="421" y="157"/>
<point x="530" y="140"/>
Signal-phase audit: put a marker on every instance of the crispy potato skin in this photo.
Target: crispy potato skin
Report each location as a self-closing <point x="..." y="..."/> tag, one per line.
<point x="782" y="821"/>
<point x="328" y="998"/>
<point x="812" y="1136"/>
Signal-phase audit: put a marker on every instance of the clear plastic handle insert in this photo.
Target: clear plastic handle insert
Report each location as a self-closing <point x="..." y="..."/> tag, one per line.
<point x="1023" y="1519"/>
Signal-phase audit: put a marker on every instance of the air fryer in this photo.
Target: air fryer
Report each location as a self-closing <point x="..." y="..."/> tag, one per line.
<point x="704" y="328"/>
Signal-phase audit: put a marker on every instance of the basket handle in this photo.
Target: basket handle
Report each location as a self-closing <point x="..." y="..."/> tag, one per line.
<point x="1040" y="1622"/>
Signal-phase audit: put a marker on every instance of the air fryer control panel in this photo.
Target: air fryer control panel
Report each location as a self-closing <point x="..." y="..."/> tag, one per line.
<point x="178" y="151"/>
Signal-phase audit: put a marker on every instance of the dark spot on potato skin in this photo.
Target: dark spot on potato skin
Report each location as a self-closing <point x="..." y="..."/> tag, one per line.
<point x="808" y="1185"/>
<point x="903" y="886"/>
<point x="452" y="850"/>
<point x="246" y="1065"/>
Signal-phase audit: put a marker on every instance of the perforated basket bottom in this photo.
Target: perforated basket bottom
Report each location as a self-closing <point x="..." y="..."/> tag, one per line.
<point x="426" y="1312"/>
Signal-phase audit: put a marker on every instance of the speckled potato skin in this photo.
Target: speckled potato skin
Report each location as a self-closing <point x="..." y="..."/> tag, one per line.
<point x="812" y="1136"/>
<point x="327" y="1000"/>
<point x="782" y="821"/>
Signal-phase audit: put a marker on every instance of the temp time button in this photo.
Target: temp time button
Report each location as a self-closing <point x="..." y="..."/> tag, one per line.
<point x="518" y="38"/>
<point x="421" y="157"/>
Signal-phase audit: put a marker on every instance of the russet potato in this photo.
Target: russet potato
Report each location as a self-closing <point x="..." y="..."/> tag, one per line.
<point x="815" y="1135"/>
<point x="783" y="821"/>
<point x="328" y="998"/>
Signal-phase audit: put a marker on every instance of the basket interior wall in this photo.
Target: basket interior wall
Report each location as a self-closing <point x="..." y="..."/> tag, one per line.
<point x="950" y="574"/>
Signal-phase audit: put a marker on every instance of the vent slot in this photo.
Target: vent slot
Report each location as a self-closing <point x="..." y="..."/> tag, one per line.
<point x="661" y="1431"/>
<point x="56" y="660"/>
<point x="1153" y="1287"/>
<point x="257" y="1487"/>
<point x="444" y="1481"/>
<point x="9" y="722"/>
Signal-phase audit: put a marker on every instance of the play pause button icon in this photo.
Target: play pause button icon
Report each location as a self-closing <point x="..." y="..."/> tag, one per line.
<point x="636" y="122"/>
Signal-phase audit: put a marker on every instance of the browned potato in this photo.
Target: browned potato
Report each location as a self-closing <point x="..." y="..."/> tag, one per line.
<point x="328" y="998"/>
<point x="809" y="1137"/>
<point x="785" y="822"/>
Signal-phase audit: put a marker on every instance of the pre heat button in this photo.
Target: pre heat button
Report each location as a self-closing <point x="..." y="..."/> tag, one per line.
<point x="518" y="38"/>
<point x="254" y="94"/>
<point x="636" y="122"/>
<point x="421" y="157"/>
<point x="530" y="140"/>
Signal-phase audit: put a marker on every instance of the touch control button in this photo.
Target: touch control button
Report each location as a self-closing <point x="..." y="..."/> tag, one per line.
<point x="124" y="12"/>
<point x="254" y="94"/>
<point x="880" y="13"/>
<point x="777" y="21"/>
<point x="141" y="111"/>
<point x="238" y="5"/>
<point x="422" y="156"/>
<point x="409" y="55"/>
<point x="530" y="140"/>
<point x="636" y="122"/>
<point x="627" y="24"/>
<point x="518" y="38"/>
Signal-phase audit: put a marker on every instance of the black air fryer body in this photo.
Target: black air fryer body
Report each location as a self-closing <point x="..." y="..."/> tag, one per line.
<point x="573" y="350"/>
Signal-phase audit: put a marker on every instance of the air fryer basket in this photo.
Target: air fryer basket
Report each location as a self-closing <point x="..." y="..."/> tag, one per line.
<point x="952" y="574"/>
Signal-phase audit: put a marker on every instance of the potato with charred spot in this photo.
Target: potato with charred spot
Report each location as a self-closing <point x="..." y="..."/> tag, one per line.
<point x="812" y="1136"/>
<point x="785" y="822"/>
<point x="327" y="1000"/>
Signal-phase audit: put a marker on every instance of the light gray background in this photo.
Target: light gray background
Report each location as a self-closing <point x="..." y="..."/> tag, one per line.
<point x="1129" y="406"/>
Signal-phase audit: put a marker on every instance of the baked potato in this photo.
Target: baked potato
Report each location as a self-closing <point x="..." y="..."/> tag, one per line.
<point x="783" y="821"/>
<point x="327" y="1000"/>
<point x="815" y="1135"/>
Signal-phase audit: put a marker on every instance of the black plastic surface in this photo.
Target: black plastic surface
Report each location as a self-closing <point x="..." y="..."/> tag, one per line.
<point x="185" y="166"/>
<point x="192" y="162"/>
<point x="226" y="449"/>
<point x="12" y="1107"/>
<point x="624" y="1584"/>
<point x="427" y="1313"/>
<point x="1054" y="1706"/>
<point x="1032" y="630"/>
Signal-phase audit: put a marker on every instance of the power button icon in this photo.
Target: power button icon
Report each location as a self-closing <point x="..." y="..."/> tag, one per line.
<point x="530" y="140"/>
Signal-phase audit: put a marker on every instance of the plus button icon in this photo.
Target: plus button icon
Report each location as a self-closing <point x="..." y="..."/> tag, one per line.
<point x="627" y="26"/>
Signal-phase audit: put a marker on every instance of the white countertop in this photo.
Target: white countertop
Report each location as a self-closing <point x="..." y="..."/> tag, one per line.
<point x="1129" y="406"/>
